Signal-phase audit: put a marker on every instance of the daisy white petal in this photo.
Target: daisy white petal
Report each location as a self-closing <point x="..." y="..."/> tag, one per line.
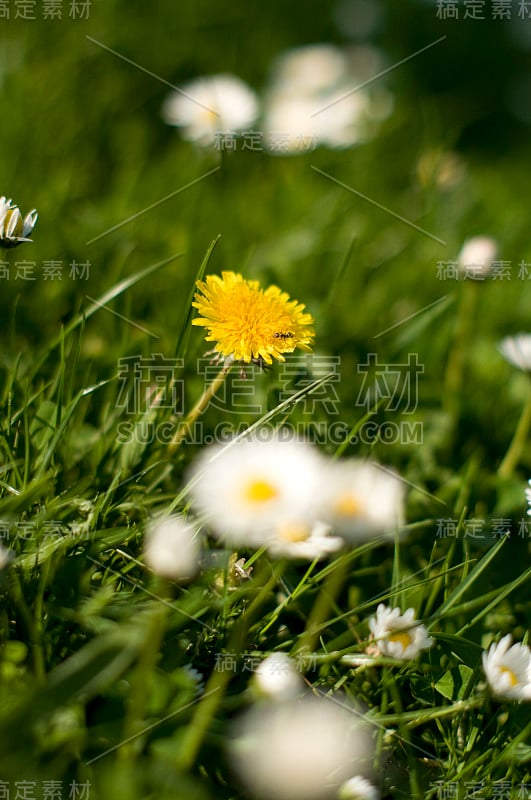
<point x="517" y="350"/>
<point x="277" y="677"/>
<point x="5" y="556"/>
<point x="476" y="257"/>
<point x="399" y="635"/>
<point x="303" y="540"/>
<point x="29" y="222"/>
<point x="172" y="548"/>
<point x="5" y="205"/>
<point x="362" y="500"/>
<point x="310" y="100"/>
<point x="508" y="669"/>
<point x="358" y="788"/>
<point x="196" y="677"/>
<point x="310" y="69"/>
<point x="293" y="123"/>
<point x="528" y="497"/>
<point x="13" y="228"/>
<point x="209" y="105"/>
<point x="251" y="488"/>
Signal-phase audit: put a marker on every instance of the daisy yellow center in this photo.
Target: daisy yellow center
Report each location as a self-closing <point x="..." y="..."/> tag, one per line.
<point x="248" y="322"/>
<point x="513" y="680"/>
<point x="260" y="491"/>
<point x="347" y="505"/>
<point x="402" y="637"/>
<point x="208" y="115"/>
<point x="294" y="532"/>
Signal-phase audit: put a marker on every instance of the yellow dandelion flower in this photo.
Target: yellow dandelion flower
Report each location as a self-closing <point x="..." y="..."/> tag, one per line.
<point x="248" y="323"/>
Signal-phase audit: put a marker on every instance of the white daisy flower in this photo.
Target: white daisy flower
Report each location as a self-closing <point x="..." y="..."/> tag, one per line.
<point x="358" y="788"/>
<point x="476" y="257"/>
<point x="508" y="669"/>
<point x="210" y="105"/>
<point x="313" y="100"/>
<point x="517" y="350"/>
<point x="277" y="677"/>
<point x="252" y="488"/>
<point x="528" y="497"/>
<point x="399" y="635"/>
<point x="303" y="748"/>
<point x="362" y="500"/>
<point x="288" y="123"/>
<point x="14" y="229"/>
<point x="294" y="539"/>
<point x="5" y="556"/>
<point x="295" y="122"/>
<point x="311" y="69"/>
<point x="172" y="548"/>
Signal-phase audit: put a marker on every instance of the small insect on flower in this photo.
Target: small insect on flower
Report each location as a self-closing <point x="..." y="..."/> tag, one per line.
<point x="14" y="229"/>
<point x="282" y="335"/>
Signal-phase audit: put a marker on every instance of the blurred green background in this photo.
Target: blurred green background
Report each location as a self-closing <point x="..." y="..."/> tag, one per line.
<point x="84" y="142"/>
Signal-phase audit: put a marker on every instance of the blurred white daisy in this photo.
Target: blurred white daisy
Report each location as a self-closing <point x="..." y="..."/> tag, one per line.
<point x="508" y="669"/>
<point x="358" y="788"/>
<point x="362" y="500"/>
<point x="15" y="229"/>
<point x="277" y="677"/>
<point x="295" y="539"/>
<point x="172" y="548"/>
<point x="528" y="497"/>
<point x="476" y="256"/>
<point x="311" y="69"/>
<point x="288" y="124"/>
<point x="303" y="748"/>
<point x="398" y="635"/>
<point x="296" y="122"/>
<point x="252" y="488"/>
<point x="517" y="350"/>
<point x="313" y="98"/>
<point x="210" y="105"/>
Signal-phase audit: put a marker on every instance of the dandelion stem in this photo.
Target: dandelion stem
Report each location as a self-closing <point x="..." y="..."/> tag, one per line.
<point x="512" y="456"/>
<point x="200" y="406"/>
